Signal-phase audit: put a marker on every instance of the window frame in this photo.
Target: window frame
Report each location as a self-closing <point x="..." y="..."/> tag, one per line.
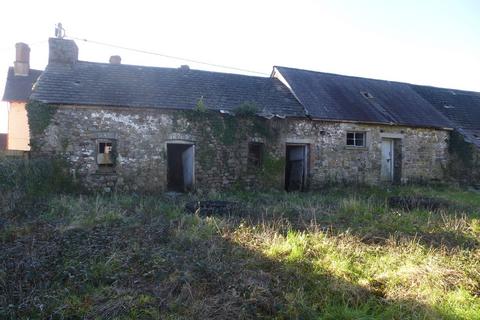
<point x="355" y="139"/>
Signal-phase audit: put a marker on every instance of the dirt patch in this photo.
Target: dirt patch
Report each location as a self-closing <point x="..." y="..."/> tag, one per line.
<point x="213" y="207"/>
<point x="414" y="202"/>
<point x="449" y="240"/>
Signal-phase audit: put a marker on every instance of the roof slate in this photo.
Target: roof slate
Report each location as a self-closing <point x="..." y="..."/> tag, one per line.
<point x="462" y="108"/>
<point x="19" y="88"/>
<point x="89" y="83"/>
<point x="337" y="97"/>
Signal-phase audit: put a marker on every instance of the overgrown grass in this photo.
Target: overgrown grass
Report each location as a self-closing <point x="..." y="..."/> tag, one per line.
<point x="22" y="180"/>
<point x="342" y="253"/>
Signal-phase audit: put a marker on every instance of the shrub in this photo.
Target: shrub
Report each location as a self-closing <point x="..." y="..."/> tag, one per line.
<point x="246" y="109"/>
<point x="22" y="179"/>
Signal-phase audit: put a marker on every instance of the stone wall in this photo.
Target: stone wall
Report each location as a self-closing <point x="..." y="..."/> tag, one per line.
<point x="464" y="166"/>
<point x="424" y="153"/>
<point x="221" y="148"/>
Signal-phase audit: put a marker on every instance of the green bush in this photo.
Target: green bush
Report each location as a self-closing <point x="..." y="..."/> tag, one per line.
<point x="39" y="116"/>
<point x="22" y="179"/>
<point x="246" y="109"/>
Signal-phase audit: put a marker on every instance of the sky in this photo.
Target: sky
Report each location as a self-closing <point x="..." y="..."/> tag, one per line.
<point x="422" y="41"/>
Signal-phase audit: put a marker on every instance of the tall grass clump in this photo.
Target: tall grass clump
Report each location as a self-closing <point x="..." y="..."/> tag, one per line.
<point x="26" y="179"/>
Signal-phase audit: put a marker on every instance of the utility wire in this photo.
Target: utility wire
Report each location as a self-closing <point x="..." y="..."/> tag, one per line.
<point x="170" y="56"/>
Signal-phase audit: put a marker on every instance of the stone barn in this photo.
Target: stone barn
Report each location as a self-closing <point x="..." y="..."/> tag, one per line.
<point x="127" y="127"/>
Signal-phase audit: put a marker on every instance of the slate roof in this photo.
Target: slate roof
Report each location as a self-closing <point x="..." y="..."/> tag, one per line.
<point x="462" y="108"/>
<point x="336" y="97"/>
<point x="19" y="88"/>
<point x="89" y="83"/>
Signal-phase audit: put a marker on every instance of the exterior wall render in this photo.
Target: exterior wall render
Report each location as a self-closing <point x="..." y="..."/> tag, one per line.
<point x="18" y="134"/>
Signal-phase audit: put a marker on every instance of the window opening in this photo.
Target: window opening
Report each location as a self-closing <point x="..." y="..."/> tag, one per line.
<point x="356" y="139"/>
<point x="104" y="154"/>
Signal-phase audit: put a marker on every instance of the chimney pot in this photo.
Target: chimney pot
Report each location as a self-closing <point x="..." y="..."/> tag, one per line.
<point x="62" y="51"/>
<point x="21" y="66"/>
<point x="184" y="67"/>
<point x="116" y="60"/>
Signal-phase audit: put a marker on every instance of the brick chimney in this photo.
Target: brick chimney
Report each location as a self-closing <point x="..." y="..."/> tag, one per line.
<point x="21" y="66"/>
<point x="115" y="60"/>
<point x="62" y="51"/>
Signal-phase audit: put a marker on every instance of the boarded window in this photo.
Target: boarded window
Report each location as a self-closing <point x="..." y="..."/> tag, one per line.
<point x="105" y="153"/>
<point x="255" y="154"/>
<point x="356" y="139"/>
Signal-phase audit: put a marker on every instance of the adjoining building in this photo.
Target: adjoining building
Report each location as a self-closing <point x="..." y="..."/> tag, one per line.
<point x="20" y="80"/>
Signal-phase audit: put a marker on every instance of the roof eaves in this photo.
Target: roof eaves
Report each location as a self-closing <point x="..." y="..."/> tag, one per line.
<point x="398" y="124"/>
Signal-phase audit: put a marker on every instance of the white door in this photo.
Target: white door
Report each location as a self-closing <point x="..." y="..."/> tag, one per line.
<point x="188" y="165"/>
<point x="387" y="160"/>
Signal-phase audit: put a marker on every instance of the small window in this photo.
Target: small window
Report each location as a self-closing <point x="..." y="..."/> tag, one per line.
<point x="367" y="94"/>
<point x="356" y="139"/>
<point x="105" y="154"/>
<point x="255" y="152"/>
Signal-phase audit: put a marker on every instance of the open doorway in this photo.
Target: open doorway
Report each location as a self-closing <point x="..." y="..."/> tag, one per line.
<point x="296" y="167"/>
<point x="180" y="170"/>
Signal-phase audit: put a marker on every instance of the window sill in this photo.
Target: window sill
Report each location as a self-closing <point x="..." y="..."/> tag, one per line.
<point x="105" y="171"/>
<point x="356" y="148"/>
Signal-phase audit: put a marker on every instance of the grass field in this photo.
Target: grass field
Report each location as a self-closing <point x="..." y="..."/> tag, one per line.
<point x="342" y="253"/>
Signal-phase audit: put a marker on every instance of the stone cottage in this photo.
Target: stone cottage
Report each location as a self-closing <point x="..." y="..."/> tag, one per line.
<point x="132" y="127"/>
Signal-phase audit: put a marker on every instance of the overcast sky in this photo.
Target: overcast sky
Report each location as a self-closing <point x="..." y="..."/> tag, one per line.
<point x="425" y="42"/>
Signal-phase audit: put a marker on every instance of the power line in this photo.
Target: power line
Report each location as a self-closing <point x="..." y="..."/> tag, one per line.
<point x="170" y="56"/>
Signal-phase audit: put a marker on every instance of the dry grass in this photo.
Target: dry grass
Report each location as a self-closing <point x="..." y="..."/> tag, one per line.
<point x="341" y="254"/>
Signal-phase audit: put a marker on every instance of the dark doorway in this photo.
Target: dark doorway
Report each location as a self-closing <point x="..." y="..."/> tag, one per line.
<point x="295" y="167"/>
<point x="180" y="173"/>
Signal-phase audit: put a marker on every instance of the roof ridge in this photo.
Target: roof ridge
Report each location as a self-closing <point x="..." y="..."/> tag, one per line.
<point x="376" y="79"/>
<point x="169" y="68"/>
<point x="339" y="75"/>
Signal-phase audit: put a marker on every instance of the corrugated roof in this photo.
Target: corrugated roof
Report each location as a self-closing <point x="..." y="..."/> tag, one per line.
<point x="462" y="108"/>
<point x="337" y="97"/>
<point x="89" y="83"/>
<point x="19" y="88"/>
